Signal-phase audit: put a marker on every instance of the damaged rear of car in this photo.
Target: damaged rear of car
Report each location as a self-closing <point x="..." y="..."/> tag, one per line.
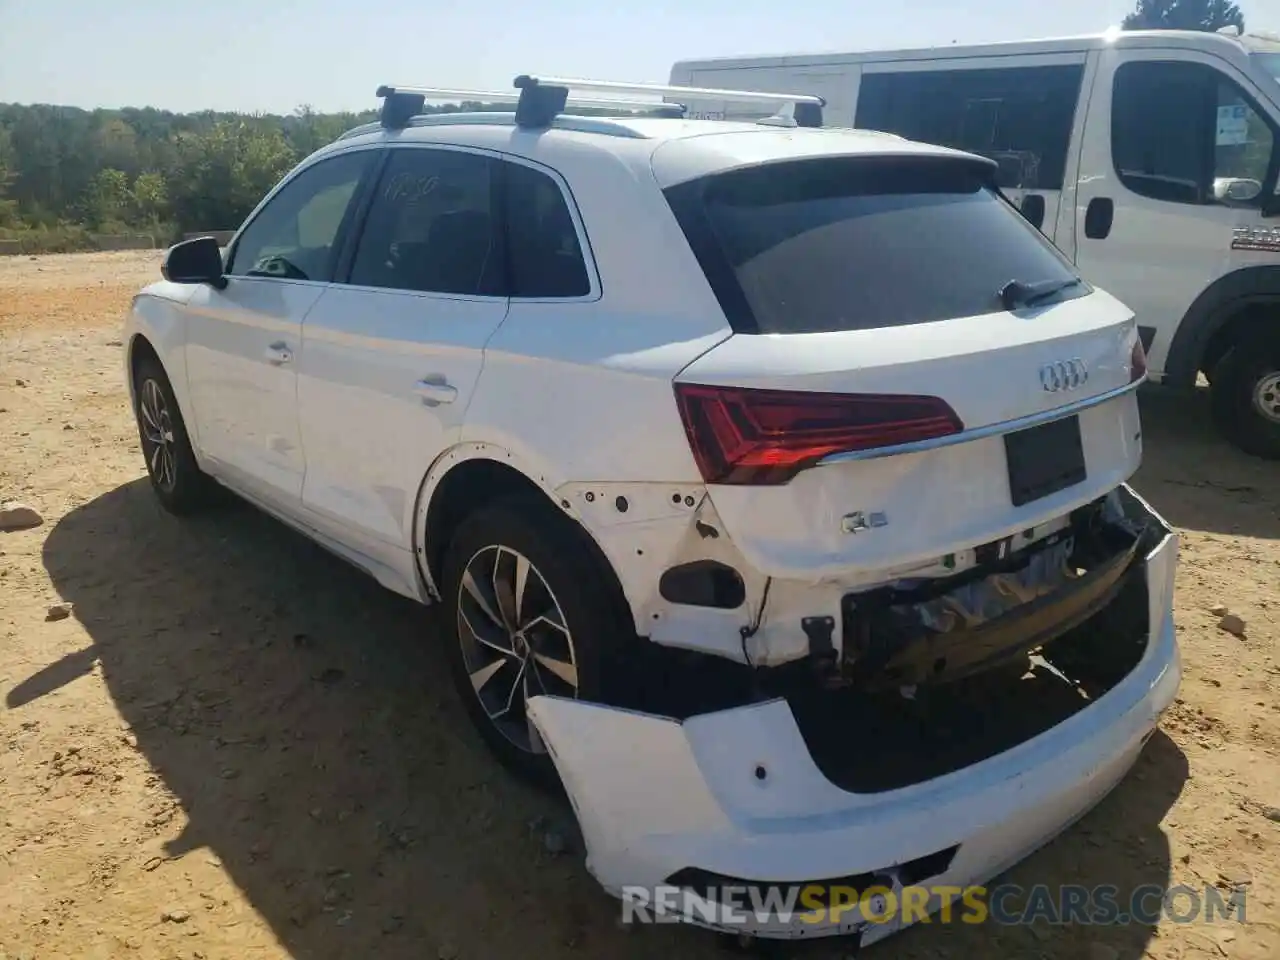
<point x="926" y="624"/>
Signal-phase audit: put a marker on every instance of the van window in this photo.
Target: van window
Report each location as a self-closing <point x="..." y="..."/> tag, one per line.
<point x="1270" y="63"/>
<point x="1021" y="117"/>
<point x="1184" y="133"/>
<point x="856" y="243"/>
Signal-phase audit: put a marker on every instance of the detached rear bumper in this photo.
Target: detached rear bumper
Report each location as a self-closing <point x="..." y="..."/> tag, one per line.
<point x="736" y="793"/>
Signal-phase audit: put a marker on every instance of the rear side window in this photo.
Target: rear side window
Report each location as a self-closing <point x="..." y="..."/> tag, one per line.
<point x="544" y="256"/>
<point x="853" y="243"/>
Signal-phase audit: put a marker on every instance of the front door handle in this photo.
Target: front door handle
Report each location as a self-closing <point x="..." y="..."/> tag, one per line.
<point x="278" y="354"/>
<point x="435" y="390"/>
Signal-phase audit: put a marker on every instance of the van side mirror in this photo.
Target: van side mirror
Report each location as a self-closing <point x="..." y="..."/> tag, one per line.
<point x="198" y="260"/>
<point x="1236" y="189"/>
<point x="1033" y="208"/>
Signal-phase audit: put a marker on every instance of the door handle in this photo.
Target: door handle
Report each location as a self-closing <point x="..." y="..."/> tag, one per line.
<point x="1098" y="217"/>
<point x="435" y="390"/>
<point x="278" y="353"/>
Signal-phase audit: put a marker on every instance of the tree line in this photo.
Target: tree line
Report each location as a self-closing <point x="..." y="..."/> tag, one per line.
<point x="66" y="172"/>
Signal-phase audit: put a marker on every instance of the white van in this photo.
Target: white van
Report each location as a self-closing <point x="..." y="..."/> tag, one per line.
<point x="1149" y="157"/>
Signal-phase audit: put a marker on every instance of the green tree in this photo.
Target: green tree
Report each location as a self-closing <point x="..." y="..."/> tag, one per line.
<point x="116" y="144"/>
<point x="108" y="199"/>
<point x="7" y="173"/>
<point x="226" y="171"/>
<point x="1206" y="15"/>
<point x="61" y="167"/>
<point x="151" y="197"/>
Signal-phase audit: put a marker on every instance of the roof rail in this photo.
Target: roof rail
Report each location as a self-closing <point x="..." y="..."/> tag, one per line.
<point x="539" y="100"/>
<point x="544" y="98"/>
<point x="401" y="104"/>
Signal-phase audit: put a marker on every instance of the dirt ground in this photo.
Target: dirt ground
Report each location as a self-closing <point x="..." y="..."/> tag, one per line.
<point x="237" y="747"/>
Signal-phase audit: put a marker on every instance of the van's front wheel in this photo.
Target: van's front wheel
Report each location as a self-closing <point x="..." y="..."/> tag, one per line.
<point x="1245" y="396"/>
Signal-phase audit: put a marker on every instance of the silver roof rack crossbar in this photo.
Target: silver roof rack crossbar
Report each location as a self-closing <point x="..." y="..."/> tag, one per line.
<point x="402" y="103"/>
<point x="539" y="100"/>
<point x="542" y="99"/>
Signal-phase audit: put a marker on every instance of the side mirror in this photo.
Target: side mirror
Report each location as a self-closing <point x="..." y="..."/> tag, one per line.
<point x="1237" y="189"/>
<point x="198" y="260"/>
<point x="1033" y="208"/>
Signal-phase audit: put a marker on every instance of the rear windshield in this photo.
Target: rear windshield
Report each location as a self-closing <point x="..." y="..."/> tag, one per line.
<point x="853" y="243"/>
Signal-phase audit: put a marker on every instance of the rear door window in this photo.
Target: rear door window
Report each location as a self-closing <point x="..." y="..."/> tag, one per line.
<point x="854" y="243"/>
<point x="543" y="253"/>
<point x="431" y="226"/>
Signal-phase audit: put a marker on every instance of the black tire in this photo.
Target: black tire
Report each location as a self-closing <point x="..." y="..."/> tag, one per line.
<point x="596" y="622"/>
<point x="179" y="484"/>
<point x="1247" y="376"/>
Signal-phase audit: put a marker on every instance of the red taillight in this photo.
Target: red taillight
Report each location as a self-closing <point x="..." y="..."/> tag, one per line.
<point x="1137" y="362"/>
<point x="741" y="435"/>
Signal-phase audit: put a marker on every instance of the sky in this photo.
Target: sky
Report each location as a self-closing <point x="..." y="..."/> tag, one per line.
<point x="276" y="55"/>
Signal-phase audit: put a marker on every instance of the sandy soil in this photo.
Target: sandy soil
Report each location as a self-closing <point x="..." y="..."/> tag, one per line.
<point x="236" y="747"/>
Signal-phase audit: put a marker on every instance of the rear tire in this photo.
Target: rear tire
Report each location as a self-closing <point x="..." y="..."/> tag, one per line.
<point x="179" y="484"/>
<point x="558" y="636"/>
<point x="1245" y="396"/>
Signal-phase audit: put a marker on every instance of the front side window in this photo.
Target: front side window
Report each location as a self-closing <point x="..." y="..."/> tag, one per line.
<point x="295" y="235"/>
<point x="1270" y="63"/>
<point x="1184" y="133"/>
<point x="432" y="226"/>
<point x="1243" y="146"/>
<point x="856" y="243"/>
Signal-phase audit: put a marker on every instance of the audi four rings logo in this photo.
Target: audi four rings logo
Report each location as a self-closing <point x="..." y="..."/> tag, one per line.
<point x="1063" y="375"/>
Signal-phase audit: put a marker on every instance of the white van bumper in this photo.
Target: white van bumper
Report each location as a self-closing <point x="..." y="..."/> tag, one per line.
<point x="736" y="794"/>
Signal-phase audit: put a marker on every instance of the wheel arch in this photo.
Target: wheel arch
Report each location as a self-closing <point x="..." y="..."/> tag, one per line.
<point x="471" y="475"/>
<point x="139" y="347"/>
<point x="1231" y="307"/>
<point x="157" y="324"/>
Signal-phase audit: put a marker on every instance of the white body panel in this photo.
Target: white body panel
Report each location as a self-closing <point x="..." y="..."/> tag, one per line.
<point x="241" y="363"/>
<point x="384" y="381"/>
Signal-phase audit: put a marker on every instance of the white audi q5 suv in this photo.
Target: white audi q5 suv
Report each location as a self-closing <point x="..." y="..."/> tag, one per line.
<point x="774" y="479"/>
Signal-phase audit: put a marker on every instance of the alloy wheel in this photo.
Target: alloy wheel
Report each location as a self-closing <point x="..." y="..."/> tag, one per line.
<point x="515" y="641"/>
<point x="157" y="435"/>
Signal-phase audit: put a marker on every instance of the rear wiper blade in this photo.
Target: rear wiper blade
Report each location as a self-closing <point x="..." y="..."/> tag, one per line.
<point x="1016" y="293"/>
